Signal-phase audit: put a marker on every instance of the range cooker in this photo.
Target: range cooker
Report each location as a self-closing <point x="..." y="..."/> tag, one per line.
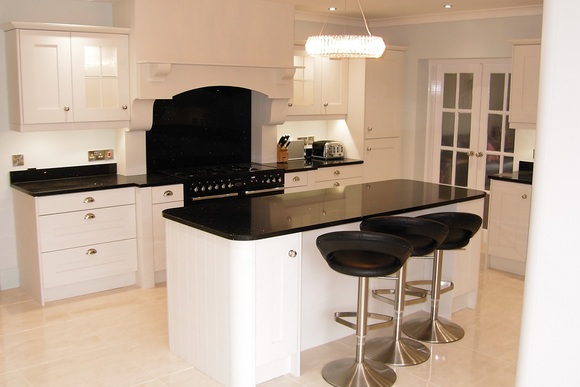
<point x="203" y="138"/>
<point x="220" y="181"/>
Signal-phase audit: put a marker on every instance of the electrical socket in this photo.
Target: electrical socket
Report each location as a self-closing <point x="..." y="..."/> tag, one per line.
<point x="102" y="154"/>
<point x="17" y="160"/>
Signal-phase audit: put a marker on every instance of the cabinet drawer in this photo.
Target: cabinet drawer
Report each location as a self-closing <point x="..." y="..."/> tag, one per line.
<point x="346" y="172"/>
<point x="295" y="179"/>
<point x="338" y="183"/>
<point x="81" y="228"/>
<point x="167" y="193"/>
<point x="85" y="200"/>
<point x="64" y="267"/>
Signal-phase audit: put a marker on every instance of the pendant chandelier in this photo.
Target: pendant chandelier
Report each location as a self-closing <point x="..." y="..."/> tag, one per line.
<point x="346" y="46"/>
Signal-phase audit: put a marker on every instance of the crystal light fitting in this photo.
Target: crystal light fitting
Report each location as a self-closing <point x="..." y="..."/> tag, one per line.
<point x="346" y="46"/>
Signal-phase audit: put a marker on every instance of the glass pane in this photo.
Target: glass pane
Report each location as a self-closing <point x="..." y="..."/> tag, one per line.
<point x="494" y="132"/>
<point x="110" y="95"/>
<point x="93" y="94"/>
<point x="109" y="61"/>
<point x="464" y="130"/>
<point x="496" y="89"/>
<point x="461" y="169"/>
<point x="92" y="61"/>
<point x="508" y="164"/>
<point x="445" y="168"/>
<point x="449" y="89"/>
<point x="510" y="138"/>
<point x="447" y="129"/>
<point x="491" y="168"/>
<point x="465" y="91"/>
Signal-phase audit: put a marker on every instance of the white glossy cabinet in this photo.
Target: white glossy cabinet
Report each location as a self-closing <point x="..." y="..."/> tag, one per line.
<point x="320" y="85"/>
<point x="524" y="84"/>
<point x="509" y="218"/>
<point x="77" y="243"/>
<point x="342" y="176"/>
<point x="382" y="159"/>
<point x="60" y="79"/>
<point x="151" y="201"/>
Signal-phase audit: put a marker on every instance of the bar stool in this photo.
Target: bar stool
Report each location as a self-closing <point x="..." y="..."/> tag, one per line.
<point x="433" y="329"/>
<point x="425" y="235"/>
<point x="362" y="254"/>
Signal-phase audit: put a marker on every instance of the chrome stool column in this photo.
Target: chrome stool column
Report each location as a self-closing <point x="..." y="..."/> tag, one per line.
<point x="425" y="235"/>
<point x="434" y="329"/>
<point x="363" y="255"/>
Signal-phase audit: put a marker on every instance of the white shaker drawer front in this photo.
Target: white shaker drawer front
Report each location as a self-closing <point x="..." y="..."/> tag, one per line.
<point x="345" y="172"/>
<point x="89" y="262"/>
<point x="167" y="193"/>
<point x="295" y="179"/>
<point x="81" y="228"/>
<point x="85" y="200"/>
<point x="338" y="183"/>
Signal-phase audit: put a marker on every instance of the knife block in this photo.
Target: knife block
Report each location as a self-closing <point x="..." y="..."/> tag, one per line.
<point x="281" y="154"/>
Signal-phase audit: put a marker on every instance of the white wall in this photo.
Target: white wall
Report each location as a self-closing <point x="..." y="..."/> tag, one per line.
<point x="485" y="38"/>
<point x="41" y="150"/>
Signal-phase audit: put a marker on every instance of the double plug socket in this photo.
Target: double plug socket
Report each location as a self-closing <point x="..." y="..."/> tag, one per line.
<point x="103" y="154"/>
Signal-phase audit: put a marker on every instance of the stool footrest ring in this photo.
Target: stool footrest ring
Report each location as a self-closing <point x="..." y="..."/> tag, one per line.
<point x="445" y="286"/>
<point x="385" y="320"/>
<point x="420" y="294"/>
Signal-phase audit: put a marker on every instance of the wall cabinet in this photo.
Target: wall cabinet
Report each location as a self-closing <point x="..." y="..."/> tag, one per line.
<point x="77" y="243"/>
<point x="509" y="218"/>
<point x="525" y="84"/>
<point x="320" y="85"/>
<point x="151" y="201"/>
<point x="67" y="79"/>
<point x="330" y="177"/>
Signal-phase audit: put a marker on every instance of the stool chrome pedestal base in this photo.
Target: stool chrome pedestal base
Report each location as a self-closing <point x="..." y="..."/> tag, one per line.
<point x="349" y="373"/>
<point x="401" y="352"/>
<point x="433" y="331"/>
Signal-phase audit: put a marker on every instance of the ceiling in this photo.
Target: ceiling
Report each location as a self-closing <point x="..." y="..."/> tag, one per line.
<point x="387" y="9"/>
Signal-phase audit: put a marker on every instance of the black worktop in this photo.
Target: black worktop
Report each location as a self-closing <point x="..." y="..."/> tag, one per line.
<point x="300" y="165"/>
<point x="251" y="218"/>
<point x="522" y="177"/>
<point x="56" y="181"/>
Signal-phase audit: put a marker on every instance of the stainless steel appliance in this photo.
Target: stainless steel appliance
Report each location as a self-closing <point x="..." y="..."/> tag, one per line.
<point x="328" y="149"/>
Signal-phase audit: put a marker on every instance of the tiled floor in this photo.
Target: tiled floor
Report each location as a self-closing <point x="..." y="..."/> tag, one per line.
<point x="119" y="338"/>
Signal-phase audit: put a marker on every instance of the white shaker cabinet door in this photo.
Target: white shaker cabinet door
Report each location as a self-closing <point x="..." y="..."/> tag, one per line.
<point x="45" y="77"/>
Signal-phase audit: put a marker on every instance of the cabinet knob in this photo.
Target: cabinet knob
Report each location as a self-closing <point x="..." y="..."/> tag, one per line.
<point x="369" y="148"/>
<point x="325" y="104"/>
<point x="337" y="172"/>
<point x="290" y="104"/>
<point x="168" y="193"/>
<point x="89" y="199"/>
<point x="524" y="196"/>
<point x="91" y="252"/>
<point x="292" y="253"/>
<point x="124" y="107"/>
<point x="66" y="108"/>
<point x="296" y="178"/>
<point x="90" y="216"/>
<point x="370" y="129"/>
<point x="336" y="184"/>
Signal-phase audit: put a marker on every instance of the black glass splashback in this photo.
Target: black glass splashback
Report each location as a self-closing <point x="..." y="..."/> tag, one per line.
<point x="205" y="126"/>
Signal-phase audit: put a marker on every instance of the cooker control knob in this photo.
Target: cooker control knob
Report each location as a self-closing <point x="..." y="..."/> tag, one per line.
<point x="217" y="186"/>
<point x="209" y="187"/>
<point x="223" y="185"/>
<point x="202" y="188"/>
<point x="230" y="185"/>
<point x="195" y="189"/>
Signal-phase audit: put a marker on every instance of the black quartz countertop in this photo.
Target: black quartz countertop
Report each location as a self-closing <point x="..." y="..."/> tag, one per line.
<point x="312" y="164"/>
<point x="56" y="181"/>
<point x="252" y="218"/>
<point x="522" y="177"/>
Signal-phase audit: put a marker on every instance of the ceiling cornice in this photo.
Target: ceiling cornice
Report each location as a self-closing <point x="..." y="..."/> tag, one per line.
<point x="423" y="19"/>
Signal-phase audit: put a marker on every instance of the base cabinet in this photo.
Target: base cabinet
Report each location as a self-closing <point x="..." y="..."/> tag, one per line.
<point x="509" y="219"/>
<point x="75" y="244"/>
<point x="331" y="177"/>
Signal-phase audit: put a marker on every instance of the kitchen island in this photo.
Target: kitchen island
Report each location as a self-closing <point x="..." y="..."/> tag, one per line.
<point x="248" y="290"/>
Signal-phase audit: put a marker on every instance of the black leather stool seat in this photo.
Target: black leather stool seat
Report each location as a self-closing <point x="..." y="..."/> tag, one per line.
<point x="425" y="236"/>
<point x="362" y="254"/>
<point x="462" y="227"/>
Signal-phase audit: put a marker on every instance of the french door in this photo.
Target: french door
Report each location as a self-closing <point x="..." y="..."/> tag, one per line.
<point x="469" y="134"/>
